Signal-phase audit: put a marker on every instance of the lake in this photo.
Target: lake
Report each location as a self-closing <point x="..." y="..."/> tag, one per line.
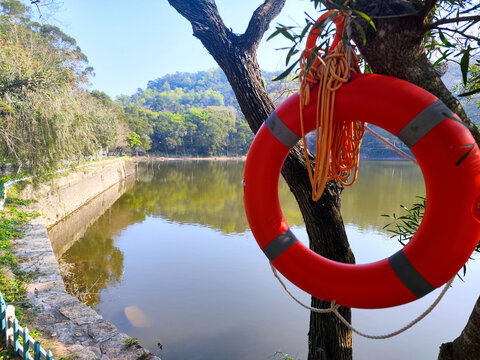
<point x="173" y="262"/>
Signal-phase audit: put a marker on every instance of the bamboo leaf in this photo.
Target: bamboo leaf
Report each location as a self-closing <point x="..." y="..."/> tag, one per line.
<point x="292" y="52"/>
<point x="444" y="39"/>
<point x="443" y="57"/>
<point x="285" y="33"/>
<point x="286" y="72"/>
<point x="275" y="33"/>
<point x="366" y="17"/>
<point x="464" y="156"/>
<point x="360" y="30"/>
<point x="305" y="29"/>
<point x="464" y="62"/>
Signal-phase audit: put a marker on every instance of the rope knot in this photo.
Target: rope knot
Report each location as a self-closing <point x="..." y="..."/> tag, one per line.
<point x="334" y="306"/>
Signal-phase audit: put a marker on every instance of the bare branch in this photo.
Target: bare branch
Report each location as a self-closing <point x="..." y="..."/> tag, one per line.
<point x="329" y="4"/>
<point x="204" y="17"/>
<point x="435" y="24"/>
<point x="260" y="22"/>
<point x="207" y="23"/>
<point x="464" y="34"/>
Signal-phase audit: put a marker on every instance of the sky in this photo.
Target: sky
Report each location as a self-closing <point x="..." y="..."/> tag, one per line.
<point x="131" y="42"/>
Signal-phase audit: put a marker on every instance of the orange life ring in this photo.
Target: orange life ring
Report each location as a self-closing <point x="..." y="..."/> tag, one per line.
<point x="449" y="230"/>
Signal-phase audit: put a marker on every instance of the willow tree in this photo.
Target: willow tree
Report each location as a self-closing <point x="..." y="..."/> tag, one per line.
<point x="46" y="116"/>
<point x="395" y="46"/>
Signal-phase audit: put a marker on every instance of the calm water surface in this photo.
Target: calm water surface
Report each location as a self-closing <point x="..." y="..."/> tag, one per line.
<point x="173" y="260"/>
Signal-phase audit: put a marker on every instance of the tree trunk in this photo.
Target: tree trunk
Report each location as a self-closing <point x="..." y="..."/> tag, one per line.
<point x="396" y="48"/>
<point x="467" y="345"/>
<point x="236" y="55"/>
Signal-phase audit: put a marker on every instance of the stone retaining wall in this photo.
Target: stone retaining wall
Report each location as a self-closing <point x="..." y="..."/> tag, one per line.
<point x="70" y="328"/>
<point x="71" y="228"/>
<point x="63" y="195"/>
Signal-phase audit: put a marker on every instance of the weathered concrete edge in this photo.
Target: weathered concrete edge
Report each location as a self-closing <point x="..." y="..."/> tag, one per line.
<point x="73" y="327"/>
<point x="58" y="198"/>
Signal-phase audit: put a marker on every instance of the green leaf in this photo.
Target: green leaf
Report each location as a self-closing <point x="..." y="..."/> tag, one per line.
<point x="323" y="24"/>
<point x="464" y="62"/>
<point x="465" y="155"/>
<point x="275" y="33"/>
<point x="444" y="39"/>
<point x="286" y="72"/>
<point x="305" y="29"/>
<point x="360" y="30"/>
<point x="285" y="33"/>
<point x="366" y="17"/>
<point x="443" y="57"/>
<point x="292" y="52"/>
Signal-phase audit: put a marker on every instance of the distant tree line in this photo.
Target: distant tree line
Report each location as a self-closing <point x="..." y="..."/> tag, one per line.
<point x="48" y="118"/>
<point x="197" y="114"/>
<point x="194" y="114"/>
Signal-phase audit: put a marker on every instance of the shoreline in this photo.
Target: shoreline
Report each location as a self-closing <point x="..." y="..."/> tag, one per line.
<point x="146" y="158"/>
<point x="68" y="327"/>
<point x="190" y="158"/>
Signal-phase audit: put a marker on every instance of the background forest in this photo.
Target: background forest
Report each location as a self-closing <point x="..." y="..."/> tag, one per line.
<point x="49" y="119"/>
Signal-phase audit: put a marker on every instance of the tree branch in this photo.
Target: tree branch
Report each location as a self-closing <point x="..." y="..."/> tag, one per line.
<point x="464" y="34"/>
<point x="451" y="20"/>
<point x="204" y="17"/>
<point x="260" y="22"/>
<point x="329" y="4"/>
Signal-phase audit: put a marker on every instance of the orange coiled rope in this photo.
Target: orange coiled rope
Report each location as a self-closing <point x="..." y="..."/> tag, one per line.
<point x="337" y="143"/>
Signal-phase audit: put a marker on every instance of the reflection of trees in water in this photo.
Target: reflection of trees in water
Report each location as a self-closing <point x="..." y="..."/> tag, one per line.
<point x="211" y="194"/>
<point x="95" y="263"/>
<point x="207" y="193"/>
<point x="380" y="189"/>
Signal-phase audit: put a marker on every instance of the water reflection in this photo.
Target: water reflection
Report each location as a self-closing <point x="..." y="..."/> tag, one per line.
<point x="210" y="194"/>
<point x="381" y="187"/>
<point x="96" y="265"/>
<point x="66" y="232"/>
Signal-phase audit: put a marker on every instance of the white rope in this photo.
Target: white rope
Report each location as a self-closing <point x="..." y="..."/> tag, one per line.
<point x="388" y="143"/>
<point x="333" y="305"/>
<point x="334" y="309"/>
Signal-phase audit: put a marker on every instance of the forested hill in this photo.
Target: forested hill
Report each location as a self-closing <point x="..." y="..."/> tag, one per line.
<point x="197" y="114"/>
<point x="180" y="91"/>
<point x="193" y="114"/>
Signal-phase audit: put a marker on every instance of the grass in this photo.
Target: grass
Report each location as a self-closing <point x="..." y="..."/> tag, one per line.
<point x="131" y="342"/>
<point x="14" y="201"/>
<point x="13" y="280"/>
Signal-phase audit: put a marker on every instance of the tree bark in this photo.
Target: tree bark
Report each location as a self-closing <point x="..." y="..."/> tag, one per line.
<point x="467" y="345"/>
<point x="236" y="55"/>
<point x="397" y="49"/>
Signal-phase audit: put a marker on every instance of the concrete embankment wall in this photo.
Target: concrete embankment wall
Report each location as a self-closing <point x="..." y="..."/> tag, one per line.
<point x="71" y="328"/>
<point x="71" y="228"/>
<point x="63" y="195"/>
